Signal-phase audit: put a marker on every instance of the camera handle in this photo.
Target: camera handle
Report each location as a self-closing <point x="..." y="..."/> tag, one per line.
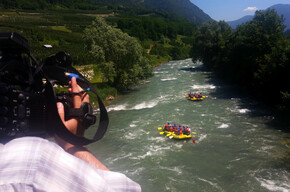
<point x="84" y="114"/>
<point x="55" y="122"/>
<point x="58" y="67"/>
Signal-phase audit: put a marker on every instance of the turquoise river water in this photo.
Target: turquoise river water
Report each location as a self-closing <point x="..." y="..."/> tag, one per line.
<point x="237" y="145"/>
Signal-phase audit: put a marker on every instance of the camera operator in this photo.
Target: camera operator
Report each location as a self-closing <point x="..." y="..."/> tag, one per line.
<point x="36" y="164"/>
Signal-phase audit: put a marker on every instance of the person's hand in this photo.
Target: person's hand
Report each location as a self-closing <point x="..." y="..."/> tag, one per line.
<point x="72" y="124"/>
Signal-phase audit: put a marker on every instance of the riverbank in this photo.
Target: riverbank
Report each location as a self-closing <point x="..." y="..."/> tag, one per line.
<point x="106" y="92"/>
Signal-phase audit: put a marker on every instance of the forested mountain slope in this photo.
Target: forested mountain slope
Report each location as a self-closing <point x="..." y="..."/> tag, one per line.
<point x="183" y="8"/>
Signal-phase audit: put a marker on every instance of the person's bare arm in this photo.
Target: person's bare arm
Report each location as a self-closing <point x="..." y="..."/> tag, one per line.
<point x="73" y="126"/>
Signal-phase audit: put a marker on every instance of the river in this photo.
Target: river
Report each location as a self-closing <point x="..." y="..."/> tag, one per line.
<point x="237" y="147"/>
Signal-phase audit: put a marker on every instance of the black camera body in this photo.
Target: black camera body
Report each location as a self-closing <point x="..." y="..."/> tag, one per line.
<point x="21" y="113"/>
<point x="28" y="99"/>
<point x="22" y="98"/>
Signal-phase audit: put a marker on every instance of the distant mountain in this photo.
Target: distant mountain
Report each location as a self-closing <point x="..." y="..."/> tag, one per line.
<point x="183" y="8"/>
<point x="281" y="9"/>
<point x="240" y="21"/>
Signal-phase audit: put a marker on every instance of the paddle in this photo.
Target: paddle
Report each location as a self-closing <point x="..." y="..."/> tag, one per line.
<point x="193" y="140"/>
<point x="161" y="133"/>
<point x="168" y="134"/>
<point x="170" y="137"/>
<point x="159" y="128"/>
<point x="193" y="132"/>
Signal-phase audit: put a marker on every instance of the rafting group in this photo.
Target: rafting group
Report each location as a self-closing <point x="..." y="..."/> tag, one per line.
<point x="195" y="96"/>
<point x="181" y="132"/>
<point x="176" y="132"/>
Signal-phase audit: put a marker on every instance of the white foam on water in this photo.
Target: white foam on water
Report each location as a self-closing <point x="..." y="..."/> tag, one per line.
<point x="125" y="107"/>
<point x="243" y="110"/>
<point x="238" y="110"/>
<point x="203" y="87"/>
<point x="237" y="159"/>
<point x="235" y="99"/>
<point x="202" y="137"/>
<point x="160" y="139"/>
<point x="165" y="98"/>
<point x="274" y="185"/>
<point x="178" y="146"/>
<point x="175" y="169"/>
<point x="148" y="153"/>
<point x="117" y="108"/>
<point x="131" y="135"/>
<point x="153" y="150"/>
<point x="137" y="171"/>
<point x="157" y="148"/>
<point x="120" y="157"/>
<point x="198" y="62"/>
<point x="172" y="179"/>
<point x="145" y="105"/>
<point x="266" y="149"/>
<point x="215" y="185"/>
<point x="169" y="79"/>
<point x="223" y="126"/>
<point x="161" y="72"/>
<point x="133" y="125"/>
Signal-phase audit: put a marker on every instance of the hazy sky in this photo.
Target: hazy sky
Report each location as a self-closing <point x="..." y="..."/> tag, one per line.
<point x="230" y="10"/>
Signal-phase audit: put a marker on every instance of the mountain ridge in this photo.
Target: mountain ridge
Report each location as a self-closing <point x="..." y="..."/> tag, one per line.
<point x="281" y="9"/>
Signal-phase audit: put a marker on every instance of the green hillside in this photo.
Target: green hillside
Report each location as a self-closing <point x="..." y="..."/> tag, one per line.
<point x="183" y="8"/>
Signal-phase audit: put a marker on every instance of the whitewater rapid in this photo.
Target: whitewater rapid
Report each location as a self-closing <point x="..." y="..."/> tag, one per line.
<point x="236" y="148"/>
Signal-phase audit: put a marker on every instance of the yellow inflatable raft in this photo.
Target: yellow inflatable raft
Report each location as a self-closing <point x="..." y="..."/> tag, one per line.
<point x="193" y="98"/>
<point x="175" y="136"/>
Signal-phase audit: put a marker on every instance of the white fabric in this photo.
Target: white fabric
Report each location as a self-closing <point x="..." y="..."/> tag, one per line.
<point x="36" y="164"/>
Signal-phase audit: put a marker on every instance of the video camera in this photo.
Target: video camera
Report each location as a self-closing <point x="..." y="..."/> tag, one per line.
<point x="28" y="99"/>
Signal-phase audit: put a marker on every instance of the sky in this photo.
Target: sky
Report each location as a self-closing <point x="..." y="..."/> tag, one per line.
<point x="230" y="10"/>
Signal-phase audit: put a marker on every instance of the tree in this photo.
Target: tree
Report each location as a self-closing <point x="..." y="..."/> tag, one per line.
<point x="211" y="44"/>
<point x="121" y="58"/>
<point x="258" y="47"/>
<point x="256" y="55"/>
